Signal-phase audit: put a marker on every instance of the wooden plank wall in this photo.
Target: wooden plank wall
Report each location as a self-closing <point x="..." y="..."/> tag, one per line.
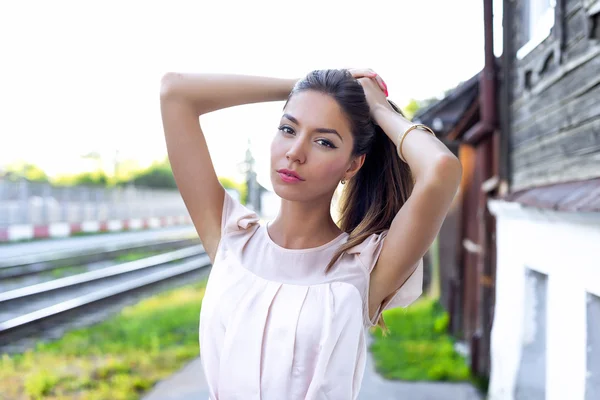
<point x="555" y="127"/>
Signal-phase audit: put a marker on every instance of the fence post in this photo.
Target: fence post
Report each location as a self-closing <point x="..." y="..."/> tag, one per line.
<point x="4" y="215"/>
<point x="152" y="205"/>
<point x="98" y="202"/>
<point x="83" y="195"/>
<point x="23" y="202"/>
<point x="111" y="204"/>
<point x="46" y="192"/>
<point x="134" y="204"/>
<point x="64" y="203"/>
<point x="118" y="203"/>
<point x="127" y="204"/>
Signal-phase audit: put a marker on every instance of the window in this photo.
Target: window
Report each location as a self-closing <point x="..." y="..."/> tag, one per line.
<point x="538" y="22"/>
<point x="593" y="12"/>
<point x="531" y="376"/>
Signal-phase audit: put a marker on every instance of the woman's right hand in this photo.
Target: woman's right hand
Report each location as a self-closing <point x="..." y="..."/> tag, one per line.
<point x="358" y="73"/>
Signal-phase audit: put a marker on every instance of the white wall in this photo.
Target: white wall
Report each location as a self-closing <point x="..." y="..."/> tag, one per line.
<point x="566" y="247"/>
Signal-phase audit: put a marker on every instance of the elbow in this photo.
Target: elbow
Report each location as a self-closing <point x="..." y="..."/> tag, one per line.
<point x="452" y="163"/>
<point x="168" y="85"/>
<point x="451" y="168"/>
<point x="447" y="171"/>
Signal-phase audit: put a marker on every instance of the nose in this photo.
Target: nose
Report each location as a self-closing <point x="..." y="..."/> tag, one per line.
<point x="296" y="152"/>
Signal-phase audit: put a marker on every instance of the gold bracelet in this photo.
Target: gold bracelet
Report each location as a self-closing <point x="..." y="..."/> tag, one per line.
<point x="410" y="128"/>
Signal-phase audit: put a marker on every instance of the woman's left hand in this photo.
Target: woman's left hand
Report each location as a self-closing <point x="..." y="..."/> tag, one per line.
<point x="374" y="87"/>
<point x="358" y="73"/>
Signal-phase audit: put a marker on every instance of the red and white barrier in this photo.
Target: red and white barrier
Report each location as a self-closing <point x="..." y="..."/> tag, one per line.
<point x="64" y="229"/>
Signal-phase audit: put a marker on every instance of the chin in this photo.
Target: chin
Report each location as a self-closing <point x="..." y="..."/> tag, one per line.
<point x="299" y="193"/>
<point x="289" y="192"/>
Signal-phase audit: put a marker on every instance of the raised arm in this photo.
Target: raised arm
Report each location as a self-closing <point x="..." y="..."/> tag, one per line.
<point x="437" y="174"/>
<point x="183" y="99"/>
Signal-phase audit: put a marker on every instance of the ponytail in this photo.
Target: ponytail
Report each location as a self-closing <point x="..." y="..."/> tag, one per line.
<point x="373" y="197"/>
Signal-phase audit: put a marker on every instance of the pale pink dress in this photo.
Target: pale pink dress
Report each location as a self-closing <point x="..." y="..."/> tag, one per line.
<point x="274" y="326"/>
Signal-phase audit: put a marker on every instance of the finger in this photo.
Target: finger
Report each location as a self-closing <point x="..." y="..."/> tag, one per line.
<point x="370" y="83"/>
<point x="382" y="84"/>
<point x="363" y="73"/>
<point x="369" y="73"/>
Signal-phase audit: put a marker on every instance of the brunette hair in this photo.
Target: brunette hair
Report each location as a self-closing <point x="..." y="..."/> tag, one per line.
<point x="371" y="198"/>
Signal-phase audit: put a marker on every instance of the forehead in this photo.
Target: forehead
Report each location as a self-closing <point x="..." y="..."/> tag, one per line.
<point x="317" y="110"/>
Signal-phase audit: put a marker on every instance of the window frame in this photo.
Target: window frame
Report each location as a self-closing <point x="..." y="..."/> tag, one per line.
<point x="540" y="31"/>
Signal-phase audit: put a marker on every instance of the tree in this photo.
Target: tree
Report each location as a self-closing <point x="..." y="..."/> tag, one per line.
<point x="414" y="106"/>
<point x="28" y="171"/>
<point x="96" y="178"/>
<point x="242" y="188"/>
<point x="411" y="108"/>
<point x="158" y="175"/>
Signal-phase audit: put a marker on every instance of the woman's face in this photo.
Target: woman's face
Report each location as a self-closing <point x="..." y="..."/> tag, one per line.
<point x="311" y="151"/>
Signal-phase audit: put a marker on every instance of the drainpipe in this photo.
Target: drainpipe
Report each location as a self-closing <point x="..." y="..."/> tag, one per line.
<point x="480" y="136"/>
<point x="487" y="84"/>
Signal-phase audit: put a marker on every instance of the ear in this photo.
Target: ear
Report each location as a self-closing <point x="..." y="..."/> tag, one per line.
<point x="355" y="165"/>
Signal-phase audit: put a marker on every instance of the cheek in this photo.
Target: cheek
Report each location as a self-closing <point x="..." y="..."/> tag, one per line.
<point x="332" y="169"/>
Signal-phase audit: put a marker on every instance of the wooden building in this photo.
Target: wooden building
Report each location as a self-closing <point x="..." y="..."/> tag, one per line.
<point x="546" y="329"/>
<point x="520" y="250"/>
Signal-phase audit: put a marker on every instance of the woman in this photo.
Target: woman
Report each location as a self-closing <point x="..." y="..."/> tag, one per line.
<point x="287" y="303"/>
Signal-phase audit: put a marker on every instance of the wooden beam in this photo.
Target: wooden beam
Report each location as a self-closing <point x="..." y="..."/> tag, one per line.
<point x="468" y="115"/>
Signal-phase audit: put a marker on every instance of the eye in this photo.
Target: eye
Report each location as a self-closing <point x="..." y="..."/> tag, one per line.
<point x="326" y="143"/>
<point x="286" y="129"/>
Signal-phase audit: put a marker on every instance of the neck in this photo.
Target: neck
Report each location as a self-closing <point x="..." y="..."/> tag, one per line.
<point x="303" y="225"/>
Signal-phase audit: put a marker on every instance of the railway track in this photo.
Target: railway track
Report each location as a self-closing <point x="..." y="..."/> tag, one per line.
<point x="48" y="308"/>
<point x="35" y="263"/>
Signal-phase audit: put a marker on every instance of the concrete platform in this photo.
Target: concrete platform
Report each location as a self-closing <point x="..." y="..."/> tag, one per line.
<point x="189" y="384"/>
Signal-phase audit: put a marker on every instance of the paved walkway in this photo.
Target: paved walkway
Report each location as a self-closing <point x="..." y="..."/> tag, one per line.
<point x="374" y="386"/>
<point x="186" y="384"/>
<point x="189" y="384"/>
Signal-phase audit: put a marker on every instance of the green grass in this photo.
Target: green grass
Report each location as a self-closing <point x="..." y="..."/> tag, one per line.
<point x="118" y="359"/>
<point x="136" y="255"/>
<point x="66" y="271"/>
<point x="418" y="347"/>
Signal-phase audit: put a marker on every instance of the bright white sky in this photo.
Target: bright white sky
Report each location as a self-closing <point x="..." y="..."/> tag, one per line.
<point x="78" y="77"/>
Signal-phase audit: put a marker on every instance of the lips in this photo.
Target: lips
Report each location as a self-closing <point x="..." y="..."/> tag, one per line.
<point x="289" y="176"/>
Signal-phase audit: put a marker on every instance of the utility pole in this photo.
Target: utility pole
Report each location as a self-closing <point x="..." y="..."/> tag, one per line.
<point x="253" y="200"/>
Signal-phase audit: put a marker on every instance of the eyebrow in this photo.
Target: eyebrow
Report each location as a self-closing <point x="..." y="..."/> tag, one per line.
<point x="320" y="130"/>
